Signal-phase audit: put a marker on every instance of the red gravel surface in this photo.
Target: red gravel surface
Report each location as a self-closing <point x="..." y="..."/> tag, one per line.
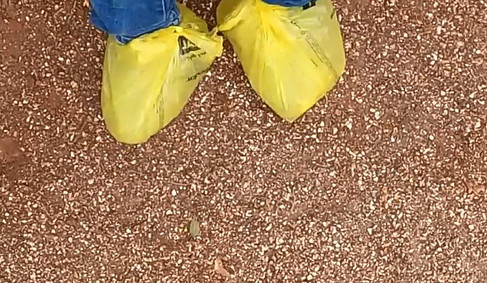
<point x="383" y="181"/>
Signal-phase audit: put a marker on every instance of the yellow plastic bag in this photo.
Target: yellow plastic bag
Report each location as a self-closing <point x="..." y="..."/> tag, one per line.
<point x="147" y="82"/>
<point x="292" y="56"/>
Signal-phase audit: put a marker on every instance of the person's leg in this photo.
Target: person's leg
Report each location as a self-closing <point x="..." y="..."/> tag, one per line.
<point x="128" y="19"/>
<point x="288" y="3"/>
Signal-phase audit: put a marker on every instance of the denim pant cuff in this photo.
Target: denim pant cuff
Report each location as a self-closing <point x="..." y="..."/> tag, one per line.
<point x="128" y="19"/>
<point x="288" y="3"/>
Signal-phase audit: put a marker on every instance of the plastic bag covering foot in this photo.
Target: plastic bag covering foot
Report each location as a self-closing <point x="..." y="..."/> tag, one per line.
<point x="292" y="56"/>
<point x="147" y="82"/>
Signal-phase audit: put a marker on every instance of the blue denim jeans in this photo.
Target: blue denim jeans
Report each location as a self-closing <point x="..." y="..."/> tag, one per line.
<point x="128" y="19"/>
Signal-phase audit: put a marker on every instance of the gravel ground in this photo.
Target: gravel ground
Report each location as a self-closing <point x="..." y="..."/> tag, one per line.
<point x="383" y="181"/>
